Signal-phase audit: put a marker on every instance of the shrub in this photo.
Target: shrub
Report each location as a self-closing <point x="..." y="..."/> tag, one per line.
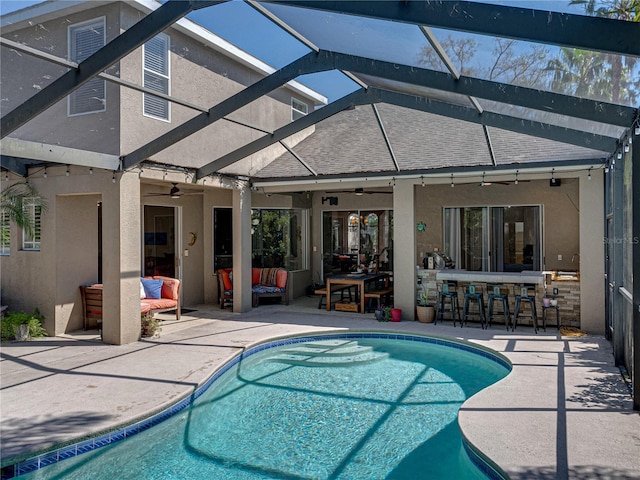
<point x="150" y="325"/>
<point x="12" y="320"/>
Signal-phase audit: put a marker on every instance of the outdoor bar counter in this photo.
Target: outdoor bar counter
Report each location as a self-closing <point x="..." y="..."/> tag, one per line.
<point x="565" y="291"/>
<point x="525" y="277"/>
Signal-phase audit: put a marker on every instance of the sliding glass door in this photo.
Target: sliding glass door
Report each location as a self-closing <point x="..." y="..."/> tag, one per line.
<point x="499" y="239"/>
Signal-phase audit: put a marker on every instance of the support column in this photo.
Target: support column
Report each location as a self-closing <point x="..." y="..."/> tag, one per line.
<point x="592" y="315"/>
<point x="404" y="248"/>
<point x="635" y="192"/>
<point x="242" y="250"/>
<point x="121" y="226"/>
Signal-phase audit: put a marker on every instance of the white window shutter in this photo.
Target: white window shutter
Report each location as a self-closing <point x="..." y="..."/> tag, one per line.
<point x="84" y="40"/>
<point x="156" y="76"/>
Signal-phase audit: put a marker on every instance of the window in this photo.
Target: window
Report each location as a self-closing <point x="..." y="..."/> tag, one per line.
<point x="5" y="234"/>
<point x="278" y="238"/>
<point x="298" y="109"/>
<point x="33" y="212"/>
<point x="354" y="238"/>
<point x="498" y="239"/>
<point x="84" y="40"/>
<point x="222" y="238"/>
<point x="155" y="55"/>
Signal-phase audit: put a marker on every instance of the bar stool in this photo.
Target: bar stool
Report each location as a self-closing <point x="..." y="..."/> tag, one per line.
<point x="527" y="294"/>
<point x="473" y="293"/>
<point x="544" y="315"/>
<point x="447" y="290"/>
<point x="498" y="292"/>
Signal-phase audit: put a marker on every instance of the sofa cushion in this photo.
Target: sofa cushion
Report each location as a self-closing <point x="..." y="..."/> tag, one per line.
<point x="152" y="287"/>
<point x="267" y="289"/>
<point x="255" y="276"/>
<point x="160" y="303"/>
<point x="170" y="287"/>
<point x="281" y="278"/>
<point x="268" y="276"/>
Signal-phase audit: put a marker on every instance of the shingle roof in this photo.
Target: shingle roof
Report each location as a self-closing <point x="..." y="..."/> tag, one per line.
<point x="352" y="141"/>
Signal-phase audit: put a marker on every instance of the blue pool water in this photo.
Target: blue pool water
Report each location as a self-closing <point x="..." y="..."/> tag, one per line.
<point x="334" y="408"/>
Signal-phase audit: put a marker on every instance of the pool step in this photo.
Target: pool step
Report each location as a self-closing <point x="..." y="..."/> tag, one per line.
<point x="349" y="348"/>
<point x="336" y="353"/>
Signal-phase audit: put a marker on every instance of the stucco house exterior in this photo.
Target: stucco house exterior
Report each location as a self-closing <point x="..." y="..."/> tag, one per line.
<point x="110" y="156"/>
<point x="204" y="69"/>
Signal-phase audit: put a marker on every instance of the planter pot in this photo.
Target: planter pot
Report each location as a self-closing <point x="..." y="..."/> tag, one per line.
<point x="22" y="333"/>
<point x="396" y="313"/>
<point x="546" y="301"/>
<point x="425" y="314"/>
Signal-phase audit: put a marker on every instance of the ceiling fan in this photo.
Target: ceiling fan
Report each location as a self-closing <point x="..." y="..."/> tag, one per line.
<point x="361" y="191"/>
<point x="175" y="192"/>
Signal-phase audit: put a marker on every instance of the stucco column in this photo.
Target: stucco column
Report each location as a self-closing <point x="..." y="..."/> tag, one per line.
<point x="121" y="243"/>
<point x="592" y="308"/>
<point x="404" y="248"/>
<point x="242" y="250"/>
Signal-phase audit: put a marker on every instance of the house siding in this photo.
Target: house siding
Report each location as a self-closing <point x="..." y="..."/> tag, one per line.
<point x="96" y="132"/>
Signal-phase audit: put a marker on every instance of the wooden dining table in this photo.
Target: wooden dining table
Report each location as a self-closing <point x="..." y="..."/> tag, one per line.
<point x="359" y="280"/>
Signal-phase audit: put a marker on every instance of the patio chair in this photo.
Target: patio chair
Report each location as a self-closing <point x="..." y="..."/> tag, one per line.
<point x="447" y="290"/>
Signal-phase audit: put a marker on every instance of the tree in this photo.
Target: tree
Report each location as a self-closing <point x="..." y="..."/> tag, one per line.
<point x="11" y="201"/>
<point x="620" y="69"/>
<point x="509" y="63"/>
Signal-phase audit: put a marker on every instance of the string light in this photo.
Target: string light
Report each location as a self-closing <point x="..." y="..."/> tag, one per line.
<point x="637" y="130"/>
<point x="45" y="172"/>
<point x="113" y="178"/>
<point x="90" y="170"/>
<point x="452" y="184"/>
<point x="67" y="172"/>
<point x="482" y="184"/>
<point x="552" y="174"/>
<point x="422" y="180"/>
<point x="619" y="155"/>
<point x="6" y="175"/>
<point x="626" y="148"/>
<point x="516" y="182"/>
<point x="394" y="182"/>
<point x="589" y="175"/>
<point x="606" y="169"/>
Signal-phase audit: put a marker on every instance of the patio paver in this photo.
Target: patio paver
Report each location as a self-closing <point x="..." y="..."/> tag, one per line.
<point x="564" y="412"/>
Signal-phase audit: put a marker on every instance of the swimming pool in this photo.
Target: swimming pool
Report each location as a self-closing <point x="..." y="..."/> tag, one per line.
<point x="352" y="406"/>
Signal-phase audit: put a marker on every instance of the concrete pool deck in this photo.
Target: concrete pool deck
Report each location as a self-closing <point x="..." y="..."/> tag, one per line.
<point x="564" y="411"/>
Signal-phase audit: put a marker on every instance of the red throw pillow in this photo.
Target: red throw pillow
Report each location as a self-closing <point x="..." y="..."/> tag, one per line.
<point x="228" y="285"/>
<point x="255" y="276"/>
<point x="281" y="278"/>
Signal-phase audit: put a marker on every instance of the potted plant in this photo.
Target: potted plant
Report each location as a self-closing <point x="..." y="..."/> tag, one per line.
<point x="21" y="326"/>
<point x="150" y="325"/>
<point x="424" y="310"/>
<point x="383" y="313"/>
